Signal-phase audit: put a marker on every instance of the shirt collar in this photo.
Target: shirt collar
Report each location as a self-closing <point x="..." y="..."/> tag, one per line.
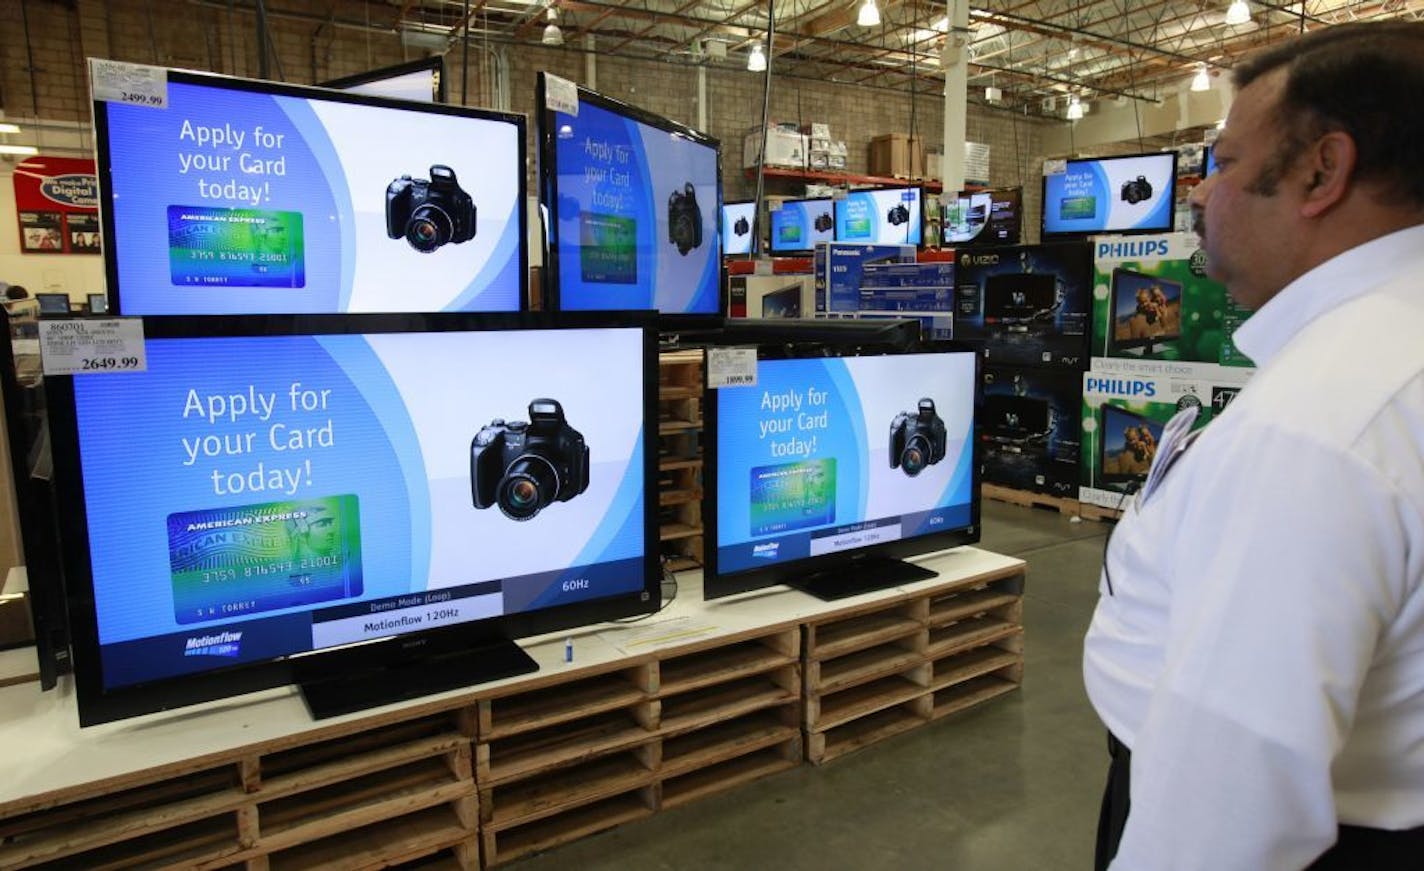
<point x="1339" y="279"/>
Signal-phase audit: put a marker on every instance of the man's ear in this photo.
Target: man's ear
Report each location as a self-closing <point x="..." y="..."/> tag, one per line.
<point x="1329" y="166"/>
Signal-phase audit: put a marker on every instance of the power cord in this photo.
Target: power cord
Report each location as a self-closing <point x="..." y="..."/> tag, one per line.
<point x="1131" y="490"/>
<point x="669" y="594"/>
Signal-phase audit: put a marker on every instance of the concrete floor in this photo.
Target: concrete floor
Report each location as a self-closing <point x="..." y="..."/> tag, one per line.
<point x="1011" y="785"/>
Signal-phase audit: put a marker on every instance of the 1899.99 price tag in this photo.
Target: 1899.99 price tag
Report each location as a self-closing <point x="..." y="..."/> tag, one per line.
<point x="92" y="345"/>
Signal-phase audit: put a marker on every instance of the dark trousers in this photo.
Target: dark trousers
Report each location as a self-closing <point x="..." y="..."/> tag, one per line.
<point x="1357" y="848"/>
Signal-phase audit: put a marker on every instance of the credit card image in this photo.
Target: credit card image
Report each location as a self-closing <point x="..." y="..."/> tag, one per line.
<point x="228" y="562"/>
<point x="608" y="249"/>
<point x="235" y="247"/>
<point x="1077" y="208"/>
<point x="791" y="496"/>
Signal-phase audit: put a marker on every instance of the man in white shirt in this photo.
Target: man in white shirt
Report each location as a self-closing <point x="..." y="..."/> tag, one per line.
<point x="1257" y="652"/>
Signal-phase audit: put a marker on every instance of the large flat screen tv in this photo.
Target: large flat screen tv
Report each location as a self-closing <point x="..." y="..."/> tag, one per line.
<point x="884" y="216"/>
<point x="1128" y="445"/>
<point x="800" y="225"/>
<point x="738" y="227"/>
<point x="420" y="80"/>
<point x="831" y="469"/>
<point x="634" y="206"/>
<point x="1146" y="312"/>
<point x="987" y="217"/>
<point x="1130" y="194"/>
<point x="246" y="197"/>
<point x="370" y="506"/>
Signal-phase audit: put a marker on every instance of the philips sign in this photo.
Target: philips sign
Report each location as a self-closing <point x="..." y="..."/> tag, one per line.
<point x="1134" y="249"/>
<point x="1129" y="387"/>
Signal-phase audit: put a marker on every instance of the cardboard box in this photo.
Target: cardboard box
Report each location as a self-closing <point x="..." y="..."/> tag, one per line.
<point x="1030" y="429"/>
<point x="1026" y="305"/>
<point x="897" y="154"/>
<point x="836" y="161"/>
<point x="1152" y="300"/>
<point x="838" y="269"/>
<point x="892" y="288"/>
<point x="819" y="160"/>
<point x="817" y="130"/>
<point x="820" y="191"/>
<point x="779" y="296"/>
<point x="783" y="148"/>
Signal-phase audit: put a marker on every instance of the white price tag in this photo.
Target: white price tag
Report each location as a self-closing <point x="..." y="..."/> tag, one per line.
<point x="763" y="266"/>
<point x="731" y="367"/>
<point x="1055" y="167"/>
<point x="137" y="84"/>
<point x="92" y="345"/>
<point x="560" y="95"/>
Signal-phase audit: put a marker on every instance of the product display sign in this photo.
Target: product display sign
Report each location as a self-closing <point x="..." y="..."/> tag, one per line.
<point x="1134" y="194"/>
<point x="252" y="197"/>
<point x="56" y="204"/>
<point x="890" y="216"/>
<point x="248" y="498"/>
<point x="634" y="209"/>
<point x="800" y="225"/>
<point x="828" y="455"/>
<point x="738" y="224"/>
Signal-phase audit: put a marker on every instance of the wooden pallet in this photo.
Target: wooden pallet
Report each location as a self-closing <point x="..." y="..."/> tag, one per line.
<point x="1099" y="513"/>
<point x="1030" y="499"/>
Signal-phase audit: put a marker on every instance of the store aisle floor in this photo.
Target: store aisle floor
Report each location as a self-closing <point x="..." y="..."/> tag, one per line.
<point x="1009" y="786"/>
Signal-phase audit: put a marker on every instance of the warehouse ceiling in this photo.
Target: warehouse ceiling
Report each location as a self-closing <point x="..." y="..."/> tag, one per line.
<point x="1036" y="53"/>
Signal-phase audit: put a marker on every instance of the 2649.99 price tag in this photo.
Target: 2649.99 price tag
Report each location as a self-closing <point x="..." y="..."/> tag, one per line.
<point x="92" y="345"/>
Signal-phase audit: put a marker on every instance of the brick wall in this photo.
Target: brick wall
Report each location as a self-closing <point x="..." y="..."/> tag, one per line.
<point x="311" y="46"/>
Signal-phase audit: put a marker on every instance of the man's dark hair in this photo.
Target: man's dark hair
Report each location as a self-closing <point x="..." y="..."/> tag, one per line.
<point x="16" y="291"/>
<point x="1363" y="79"/>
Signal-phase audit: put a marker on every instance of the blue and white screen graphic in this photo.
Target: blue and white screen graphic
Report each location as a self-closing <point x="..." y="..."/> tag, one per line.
<point x="1113" y="194"/>
<point x="232" y="201"/>
<point x="801" y="225"/>
<point x="738" y="224"/>
<point x="832" y="454"/>
<point x="880" y="217"/>
<point x="255" y="497"/>
<point x="636" y="211"/>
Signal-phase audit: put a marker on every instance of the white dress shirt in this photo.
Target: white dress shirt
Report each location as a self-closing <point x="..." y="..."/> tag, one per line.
<point x="1262" y="650"/>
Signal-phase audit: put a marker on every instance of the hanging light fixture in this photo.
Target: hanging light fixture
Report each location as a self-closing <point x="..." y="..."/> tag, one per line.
<point x="552" y="34"/>
<point x="9" y="128"/>
<point x="1238" y="13"/>
<point x="23" y="150"/>
<point x="756" y="61"/>
<point x="869" y="15"/>
<point x="1075" y="108"/>
<point x="1201" y="81"/>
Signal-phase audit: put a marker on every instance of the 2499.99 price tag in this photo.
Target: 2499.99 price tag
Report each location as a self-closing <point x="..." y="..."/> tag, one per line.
<point x="92" y="345"/>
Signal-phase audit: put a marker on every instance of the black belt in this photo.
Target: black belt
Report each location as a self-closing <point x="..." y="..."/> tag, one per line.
<point x="1356" y="847"/>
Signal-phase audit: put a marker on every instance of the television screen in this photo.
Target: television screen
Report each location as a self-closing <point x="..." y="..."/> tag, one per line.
<point x="1146" y="311"/>
<point x="1133" y="194"/>
<point x="993" y="217"/>
<point x="98" y="304"/>
<point x="800" y="225"/>
<point x="830" y="468"/>
<point x="633" y="202"/>
<point x="888" y="216"/>
<point x="1015" y="418"/>
<point x="53" y="303"/>
<point x="738" y="224"/>
<point x="278" y="486"/>
<point x="420" y="80"/>
<point x="782" y="303"/>
<point x="245" y="197"/>
<point x="1019" y="297"/>
<point x="1129" y="443"/>
<point x="1210" y="159"/>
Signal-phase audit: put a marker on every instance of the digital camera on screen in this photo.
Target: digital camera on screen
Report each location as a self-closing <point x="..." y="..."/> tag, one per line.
<point x="429" y="213"/>
<point x="523" y="467"/>
<point x="824" y="222"/>
<point x="917" y="439"/>
<point x="1136" y="191"/>
<point x="684" y="220"/>
<point x="740" y="227"/>
<point x="898" y="215"/>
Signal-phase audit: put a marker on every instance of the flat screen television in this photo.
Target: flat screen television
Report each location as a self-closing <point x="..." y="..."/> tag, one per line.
<point x="1128" y="444"/>
<point x="419" y="80"/>
<point x="798" y="226"/>
<point x="1013" y="419"/>
<point x="1210" y="159"/>
<point x="247" y="197"/>
<point x="1016" y="299"/>
<point x="831" y="469"/>
<point x="1146" y="312"/>
<point x="988" y="217"/>
<point x="633" y="201"/>
<point x="98" y="304"/>
<point x="370" y="506"/>
<point x="884" y="216"/>
<point x="738" y="227"/>
<point x="1130" y="194"/>
<point x="784" y="302"/>
<point x="53" y="303"/>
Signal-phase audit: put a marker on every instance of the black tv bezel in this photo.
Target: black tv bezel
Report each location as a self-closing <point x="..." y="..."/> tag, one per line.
<point x="96" y="705"/>
<point x="722" y="216"/>
<point x="548" y="178"/>
<point x="980" y="241"/>
<point x="1114" y="344"/>
<point x="840" y="201"/>
<point x="784" y="292"/>
<point x="807" y="250"/>
<point x="1118" y="481"/>
<point x="1045" y="235"/>
<point x="40" y="300"/>
<point x="435" y="64"/>
<point x="716" y="585"/>
<point x="94" y="296"/>
<point x="104" y="169"/>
